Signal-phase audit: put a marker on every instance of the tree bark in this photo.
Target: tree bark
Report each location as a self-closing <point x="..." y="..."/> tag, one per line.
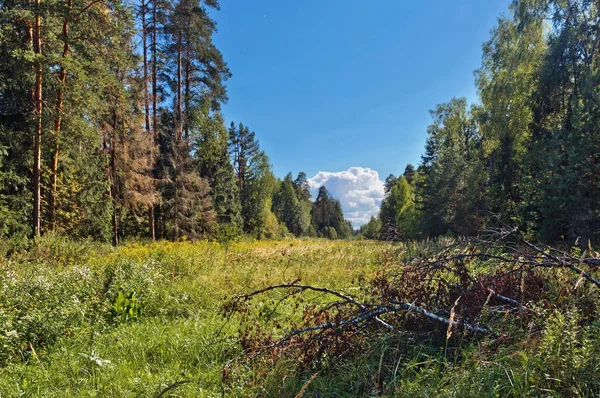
<point x="112" y="173"/>
<point x="37" y="140"/>
<point x="151" y="216"/>
<point x="62" y="78"/>
<point x="179" y="88"/>
<point x="145" y="25"/>
<point x="178" y="132"/>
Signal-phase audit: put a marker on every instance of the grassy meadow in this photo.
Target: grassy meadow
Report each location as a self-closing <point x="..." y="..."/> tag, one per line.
<point x="148" y="320"/>
<point x="59" y="326"/>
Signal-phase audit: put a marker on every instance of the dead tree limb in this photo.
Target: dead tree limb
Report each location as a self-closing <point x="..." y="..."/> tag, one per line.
<point x="433" y="283"/>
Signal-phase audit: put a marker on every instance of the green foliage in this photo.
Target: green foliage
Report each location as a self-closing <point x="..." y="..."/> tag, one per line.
<point x="527" y="155"/>
<point x="292" y="206"/>
<point x="328" y="218"/>
<point x="563" y="201"/>
<point x="226" y="232"/>
<point x="214" y="163"/>
<point x="125" y="308"/>
<point x="372" y="229"/>
<point x="254" y="178"/>
<point x="344" y="230"/>
<point x="507" y="83"/>
<point x="189" y="205"/>
<point x="398" y="209"/>
<point x="272" y="228"/>
<point x="450" y="193"/>
<point x="330" y="233"/>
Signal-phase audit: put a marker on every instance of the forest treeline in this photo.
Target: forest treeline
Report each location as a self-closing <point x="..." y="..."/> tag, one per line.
<point x="110" y="127"/>
<point x="527" y="154"/>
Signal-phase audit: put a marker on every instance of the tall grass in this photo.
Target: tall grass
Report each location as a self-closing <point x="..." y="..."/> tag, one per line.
<point x="58" y="323"/>
<point x="62" y="334"/>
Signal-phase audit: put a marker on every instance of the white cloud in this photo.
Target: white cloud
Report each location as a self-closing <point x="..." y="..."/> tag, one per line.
<point x="359" y="190"/>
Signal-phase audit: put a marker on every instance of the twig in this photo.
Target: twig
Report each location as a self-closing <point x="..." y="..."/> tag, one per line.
<point x="302" y="288"/>
<point x="371" y="315"/>
<point x="305" y="386"/>
<point x="171" y="387"/>
<point x="34" y="354"/>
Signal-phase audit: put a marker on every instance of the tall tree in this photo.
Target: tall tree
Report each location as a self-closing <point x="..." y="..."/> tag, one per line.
<point x="451" y="192"/>
<point x="197" y="89"/>
<point x="147" y="15"/>
<point x="302" y="187"/>
<point x="214" y="164"/>
<point x="37" y="114"/>
<point x="291" y="205"/>
<point x="565" y="172"/>
<point x="243" y="147"/>
<point x="398" y="211"/>
<point x="253" y="176"/>
<point x="327" y="216"/>
<point x="257" y="196"/>
<point x="126" y="141"/>
<point x="187" y="206"/>
<point x="507" y="82"/>
<point x="17" y="79"/>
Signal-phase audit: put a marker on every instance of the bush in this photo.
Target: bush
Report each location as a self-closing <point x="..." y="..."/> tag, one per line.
<point x="331" y="233"/>
<point x="226" y="233"/>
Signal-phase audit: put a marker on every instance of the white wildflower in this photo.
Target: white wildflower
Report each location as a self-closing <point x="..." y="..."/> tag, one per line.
<point x="95" y="358"/>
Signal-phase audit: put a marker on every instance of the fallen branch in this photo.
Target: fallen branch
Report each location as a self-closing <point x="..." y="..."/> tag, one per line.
<point x="434" y="283"/>
<point x="363" y="316"/>
<point x="301" y="288"/>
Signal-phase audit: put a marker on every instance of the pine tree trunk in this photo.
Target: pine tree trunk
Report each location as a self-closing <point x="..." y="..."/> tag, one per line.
<point x="108" y="144"/>
<point x="145" y="55"/>
<point x="154" y="74"/>
<point x="151" y="216"/>
<point x="151" y="225"/>
<point x="62" y="78"/>
<point x="186" y="96"/>
<point x="113" y="183"/>
<point x="179" y="90"/>
<point x="178" y="136"/>
<point x="115" y="223"/>
<point x="37" y="141"/>
<point x="147" y="107"/>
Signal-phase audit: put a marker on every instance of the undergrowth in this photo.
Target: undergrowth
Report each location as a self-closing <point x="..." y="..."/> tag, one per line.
<point x="145" y="319"/>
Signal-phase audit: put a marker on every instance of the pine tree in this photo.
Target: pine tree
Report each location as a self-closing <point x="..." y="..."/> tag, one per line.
<point x="16" y="124"/>
<point x="253" y="176"/>
<point x="327" y="216"/>
<point x="214" y="165"/>
<point x="243" y="147"/>
<point x="450" y="196"/>
<point x="302" y="187"/>
<point x="291" y="204"/>
<point x="187" y="206"/>
<point x="197" y="89"/>
<point x="257" y="196"/>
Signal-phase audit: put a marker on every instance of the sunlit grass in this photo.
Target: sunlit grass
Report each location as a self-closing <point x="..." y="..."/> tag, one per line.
<point x="60" y="335"/>
<point x="57" y="299"/>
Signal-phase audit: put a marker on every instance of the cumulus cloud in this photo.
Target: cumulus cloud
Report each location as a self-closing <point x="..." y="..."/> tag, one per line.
<point x="359" y="190"/>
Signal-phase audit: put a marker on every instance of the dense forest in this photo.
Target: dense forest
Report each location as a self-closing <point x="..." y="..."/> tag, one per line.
<point x="110" y="127"/>
<point x="527" y="153"/>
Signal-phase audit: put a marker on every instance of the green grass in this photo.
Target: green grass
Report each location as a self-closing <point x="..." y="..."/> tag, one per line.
<point x="57" y="298"/>
<point x="62" y="335"/>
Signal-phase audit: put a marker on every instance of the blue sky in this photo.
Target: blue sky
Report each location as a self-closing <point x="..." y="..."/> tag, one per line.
<point x="332" y="84"/>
